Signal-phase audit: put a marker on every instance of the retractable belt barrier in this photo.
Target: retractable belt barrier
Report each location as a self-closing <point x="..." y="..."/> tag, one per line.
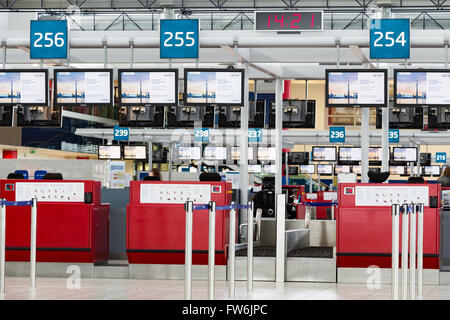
<point x="4" y="204"/>
<point x="211" y="206"/>
<point x="316" y="204"/>
<point x="412" y="216"/>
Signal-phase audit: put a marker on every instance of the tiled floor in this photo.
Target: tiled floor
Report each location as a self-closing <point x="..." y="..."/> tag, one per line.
<point x="120" y="289"/>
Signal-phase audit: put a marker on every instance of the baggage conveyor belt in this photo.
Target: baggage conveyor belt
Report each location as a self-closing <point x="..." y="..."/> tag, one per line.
<point x="307" y="252"/>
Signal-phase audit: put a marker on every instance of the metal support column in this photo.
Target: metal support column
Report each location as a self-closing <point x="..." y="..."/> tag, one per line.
<point x="412" y="253"/>
<point x="364" y="144"/>
<point x="131" y="53"/>
<point x="150" y="156"/>
<point x="420" y="212"/>
<point x="211" y="249"/>
<point x="33" y="242"/>
<point x="105" y="52"/>
<point x="280" y="204"/>
<point x="250" y="247"/>
<point x="243" y="168"/>
<point x="4" y="53"/>
<point x="232" y="252"/>
<point x="278" y="138"/>
<point x="2" y="247"/>
<point x="395" y="249"/>
<point x="188" y="252"/>
<point x="405" y="237"/>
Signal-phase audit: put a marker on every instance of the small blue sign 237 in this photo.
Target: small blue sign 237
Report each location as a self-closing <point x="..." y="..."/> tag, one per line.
<point x="337" y="134"/>
<point x="48" y="39"/>
<point x="254" y="135"/>
<point x="389" y="39"/>
<point x="178" y="38"/>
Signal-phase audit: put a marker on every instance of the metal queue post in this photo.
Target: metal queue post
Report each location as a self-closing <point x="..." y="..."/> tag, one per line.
<point x="211" y="207"/>
<point x="4" y="204"/>
<point x="412" y="232"/>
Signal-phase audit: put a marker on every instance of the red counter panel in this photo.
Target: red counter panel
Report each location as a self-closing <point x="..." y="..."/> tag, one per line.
<point x="66" y="231"/>
<point x="156" y="232"/>
<point x="364" y="233"/>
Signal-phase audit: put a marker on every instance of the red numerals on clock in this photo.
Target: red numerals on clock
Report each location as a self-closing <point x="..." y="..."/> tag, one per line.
<point x="294" y="23"/>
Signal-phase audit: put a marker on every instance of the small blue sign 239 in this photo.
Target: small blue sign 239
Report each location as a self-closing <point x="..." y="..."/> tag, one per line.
<point x="394" y="135"/>
<point x="389" y="39"/>
<point x="121" y="133"/>
<point x="337" y="134"/>
<point x="441" y="157"/>
<point x="178" y="38"/>
<point x="48" y="39"/>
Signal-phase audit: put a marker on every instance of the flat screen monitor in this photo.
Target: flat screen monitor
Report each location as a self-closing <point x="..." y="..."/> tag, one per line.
<point x="408" y="154"/>
<point x="215" y="153"/>
<point x="189" y="153"/>
<point x="109" y="152"/>
<point x="408" y="171"/>
<point x="83" y="87"/>
<point x="266" y="153"/>
<point x="236" y="151"/>
<point x="324" y="153"/>
<point x="23" y="87"/>
<point x="325" y="169"/>
<point x="341" y="169"/>
<point x="254" y="168"/>
<point x="419" y="87"/>
<point x="307" y="169"/>
<point x="431" y="171"/>
<point x="349" y="154"/>
<point x="141" y="87"/>
<point x="269" y="169"/>
<point x="399" y="170"/>
<point x="375" y="154"/>
<point x="356" y="169"/>
<point x="350" y="88"/>
<point x="222" y="87"/>
<point x="134" y="152"/>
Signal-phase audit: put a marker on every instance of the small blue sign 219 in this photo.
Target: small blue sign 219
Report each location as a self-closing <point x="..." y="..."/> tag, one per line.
<point x="121" y="133"/>
<point x="394" y="135"/>
<point x="389" y="39"/>
<point x="178" y="39"/>
<point x="48" y="39"/>
<point x="337" y="134"/>
<point x="441" y="157"/>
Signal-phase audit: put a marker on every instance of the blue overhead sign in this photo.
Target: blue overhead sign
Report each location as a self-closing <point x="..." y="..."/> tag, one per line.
<point x="394" y="135"/>
<point x="121" y="133"/>
<point x="48" y="39"/>
<point x="201" y="134"/>
<point x="337" y="134"/>
<point x="441" y="157"/>
<point x="179" y="38"/>
<point x="254" y="135"/>
<point x="389" y="39"/>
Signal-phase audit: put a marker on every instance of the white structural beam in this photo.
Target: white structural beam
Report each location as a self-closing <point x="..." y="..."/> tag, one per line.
<point x="360" y="55"/>
<point x="87" y="117"/>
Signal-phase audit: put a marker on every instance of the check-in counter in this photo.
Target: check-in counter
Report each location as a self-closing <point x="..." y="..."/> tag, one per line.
<point x="364" y="222"/>
<point x="72" y="223"/>
<point x="156" y="221"/>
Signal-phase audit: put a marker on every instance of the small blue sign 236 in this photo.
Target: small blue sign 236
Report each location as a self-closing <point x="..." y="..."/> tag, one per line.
<point x="48" y="39"/>
<point x="337" y="134"/>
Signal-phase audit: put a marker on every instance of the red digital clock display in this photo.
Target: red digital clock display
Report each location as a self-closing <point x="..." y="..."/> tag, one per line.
<point x="288" y="21"/>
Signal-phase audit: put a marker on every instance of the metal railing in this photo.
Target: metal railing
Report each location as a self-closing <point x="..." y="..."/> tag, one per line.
<point x="211" y="207"/>
<point x="412" y="232"/>
<point x="4" y="204"/>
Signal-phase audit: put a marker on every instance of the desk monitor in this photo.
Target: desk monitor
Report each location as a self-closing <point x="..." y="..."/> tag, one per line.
<point x="266" y="153"/>
<point x="254" y="168"/>
<point x="398" y="170"/>
<point x="408" y="154"/>
<point x="325" y="169"/>
<point x="431" y="171"/>
<point x="356" y="169"/>
<point x="236" y="151"/>
<point x="350" y="154"/>
<point x="215" y="153"/>
<point x="134" y="152"/>
<point x="307" y="169"/>
<point x="189" y="153"/>
<point x="109" y="152"/>
<point x="341" y="169"/>
<point x="323" y="153"/>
